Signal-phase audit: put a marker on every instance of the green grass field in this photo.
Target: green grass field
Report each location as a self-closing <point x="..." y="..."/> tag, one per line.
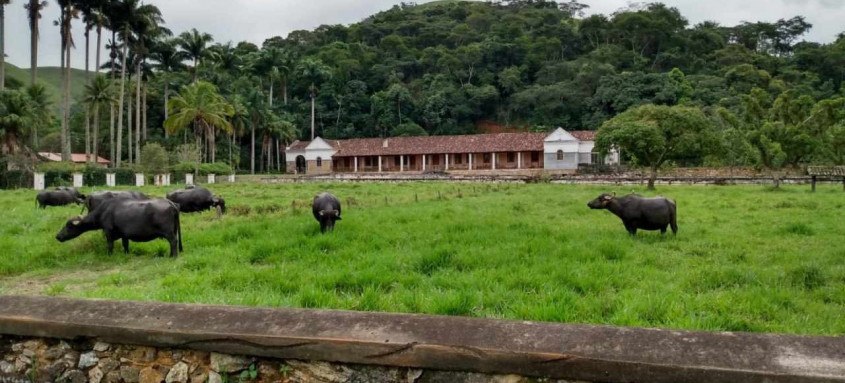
<point x="746" y="259"/>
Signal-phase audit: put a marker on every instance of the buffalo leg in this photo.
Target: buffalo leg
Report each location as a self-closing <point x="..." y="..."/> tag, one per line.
<point x="110" y="245"/>
<point x="663" y="230"/>
<point x="125" y="245"/>
<point x="174" y="246"/>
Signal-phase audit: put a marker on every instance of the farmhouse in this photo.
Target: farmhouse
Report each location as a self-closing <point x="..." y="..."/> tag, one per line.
<point x="560" y="150"/>
<point x="77" y="158"/>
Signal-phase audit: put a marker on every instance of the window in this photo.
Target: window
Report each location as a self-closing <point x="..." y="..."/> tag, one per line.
<point x="511" y="157"/>
<point x="560" y="155"/>
<point x="319" y="162"/>
<point x="535" y="156"/>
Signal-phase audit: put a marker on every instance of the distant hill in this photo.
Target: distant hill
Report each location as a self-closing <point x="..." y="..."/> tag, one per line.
<point x="51" y="78"/>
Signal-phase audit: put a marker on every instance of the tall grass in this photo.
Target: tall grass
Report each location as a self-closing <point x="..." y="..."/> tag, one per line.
<point x="745" y="259"/>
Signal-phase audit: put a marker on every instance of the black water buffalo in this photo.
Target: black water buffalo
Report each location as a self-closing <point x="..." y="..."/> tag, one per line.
<point x="637" y="212"/>
<point x="129" y="220"/>
<point x="326" y="209"/>
<point x="95" y="199"/>
<point x="196" y="199"/>
<point x="59" y="197"/>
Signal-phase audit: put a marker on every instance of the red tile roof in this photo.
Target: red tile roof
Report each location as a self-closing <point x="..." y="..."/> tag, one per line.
<point x="584" y="135"/>
<point x="299" y="145"/>
<point x="475" y="143"/>
<point x="74" y="157"/>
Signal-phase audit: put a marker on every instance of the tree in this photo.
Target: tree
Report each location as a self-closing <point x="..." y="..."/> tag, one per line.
<point x="98" y="93"/>
<point x="651" y="135"/>
<point x="43" y="110"/>
<point x="33" y="11"/>
<point x="168" y="61"/>
<point x="194" y="46"/>
<point x="314" y="72"/>
<point x="155" y="159"/>
<point x="201" y="105"/>
<point x="68" y="13"/>
<point x="16" y="116"/>
<point x="128" y="17"/>
<point x="3" y="4"/>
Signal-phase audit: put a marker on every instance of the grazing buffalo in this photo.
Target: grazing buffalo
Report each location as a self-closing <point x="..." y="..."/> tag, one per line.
<point x="95" y="199"/>
<point x="129" y="220"/>
<point x="194" y="199"/>
<point x="637" y="212"/>
<point x="59" y="197"/>
<point x="326" y="209"/>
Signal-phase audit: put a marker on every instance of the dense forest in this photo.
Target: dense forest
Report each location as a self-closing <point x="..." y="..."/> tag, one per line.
<point x="768" y="97"/>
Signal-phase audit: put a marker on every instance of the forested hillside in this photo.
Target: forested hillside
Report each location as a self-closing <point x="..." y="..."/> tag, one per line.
<point x="446" y="65"/>
<point x="757" y="93"/>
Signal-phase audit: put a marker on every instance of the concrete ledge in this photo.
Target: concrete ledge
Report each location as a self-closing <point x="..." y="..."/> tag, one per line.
<point x="591" y="353"/>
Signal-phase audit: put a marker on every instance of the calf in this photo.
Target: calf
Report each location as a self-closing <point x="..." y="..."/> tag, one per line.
<point x="326" y="209"/>
<point x="637" y="212"/>
<point x="129" y="220"/>
<point x="197" y="199"/>
<point x="59" y="197"/>
<point x="95" y="199"/>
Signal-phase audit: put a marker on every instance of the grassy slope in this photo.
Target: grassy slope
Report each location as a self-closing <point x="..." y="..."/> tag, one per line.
<point x="746" y="259"/>
<point x="51" y="78"/>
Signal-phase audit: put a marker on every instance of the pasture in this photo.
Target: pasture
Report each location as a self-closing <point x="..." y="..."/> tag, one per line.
<point x="746" y="258"/>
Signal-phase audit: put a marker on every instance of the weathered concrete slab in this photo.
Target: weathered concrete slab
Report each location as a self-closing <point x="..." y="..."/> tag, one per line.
<point x="591" y="353"/>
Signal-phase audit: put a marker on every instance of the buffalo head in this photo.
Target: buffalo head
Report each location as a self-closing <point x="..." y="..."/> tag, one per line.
<point x="73" y="228"/>
<point x="328" y="218"/>
<point x="601" y="201"/>
<point x="218" y="201"/>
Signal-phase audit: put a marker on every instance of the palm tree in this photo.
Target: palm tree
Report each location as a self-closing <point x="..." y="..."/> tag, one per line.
<point x="3" y="4"/>
<point x="314" y="72"/>
<point x="194" y="46"/>
<point x="146" y="29"/>
<point x="168" y="60"/>
<point x="33" y="11"/>
<point x="68" y="13"/>
<point x="99" y="92"/>
<point x="240" y="120"/>
<point x="125" y="17"/>
<point x="199" y="104"/>
<point x="42" y="105"/>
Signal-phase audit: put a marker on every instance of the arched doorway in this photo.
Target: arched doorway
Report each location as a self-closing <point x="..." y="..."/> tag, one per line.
<point x="301" y="165"/>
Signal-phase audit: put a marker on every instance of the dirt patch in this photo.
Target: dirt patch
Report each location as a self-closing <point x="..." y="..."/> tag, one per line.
<point x="65" y="283"/>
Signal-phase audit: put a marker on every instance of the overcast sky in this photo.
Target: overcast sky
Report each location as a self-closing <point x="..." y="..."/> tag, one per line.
<point x="256" y="20"/>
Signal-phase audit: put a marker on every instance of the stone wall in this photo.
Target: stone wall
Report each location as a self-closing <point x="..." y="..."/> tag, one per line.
<point x="26" y="359"/>
<point x="46" y="339"/>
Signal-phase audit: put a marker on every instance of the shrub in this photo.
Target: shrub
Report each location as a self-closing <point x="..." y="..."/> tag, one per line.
<point x="154" y="159"/>
<point x="215" y="168"/>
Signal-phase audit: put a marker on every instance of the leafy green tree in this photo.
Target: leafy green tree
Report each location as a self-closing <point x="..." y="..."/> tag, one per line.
<point x="16" y="116"/>
<point x="651" y="135"/>
<point x="201" y="106"/>
<point x="154" y="159"/>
